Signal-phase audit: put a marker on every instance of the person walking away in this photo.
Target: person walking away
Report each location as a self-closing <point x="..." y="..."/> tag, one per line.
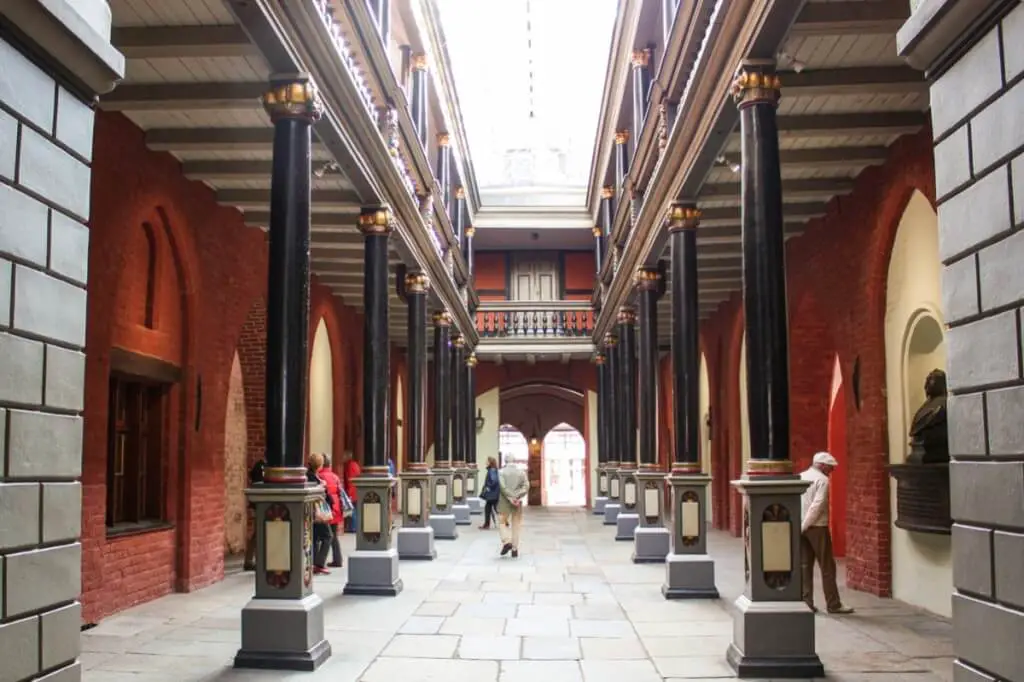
<point x="350" y="472"/>
<point x="332" y="483"/>
<point x="490" y="493"/>
<point x="321" y="524"/>
<point x="513" y="487"/>
<point x="255" y="476"/>
<point x="815" y="537"/>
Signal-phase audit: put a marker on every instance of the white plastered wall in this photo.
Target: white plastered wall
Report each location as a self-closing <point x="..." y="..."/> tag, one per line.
<point x="744" y="415"/>
<point x="321" y="393"/>
<point x="489" y="406"/>
<point x="704" y="404"/>
<point x="921" y="563"/>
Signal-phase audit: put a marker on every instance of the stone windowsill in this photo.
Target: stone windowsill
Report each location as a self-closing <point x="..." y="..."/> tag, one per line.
<point x="935" y="26"/>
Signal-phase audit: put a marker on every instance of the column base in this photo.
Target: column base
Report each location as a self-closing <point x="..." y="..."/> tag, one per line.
<point x="373" y="573"/>
<point x="476" y="506"/>
<point x="650" y="545"/>
<point x="416" y="544"/>
<point x="444" y="526"/>
<point x="625" y="525"/>
<point x="283" y="634"/>
<point x="611" y="512"/>
<point x="689" y="576"/>
<point x="461" y="511"/>
<point x="774" y="640"/>
<point x="599" y="505"/>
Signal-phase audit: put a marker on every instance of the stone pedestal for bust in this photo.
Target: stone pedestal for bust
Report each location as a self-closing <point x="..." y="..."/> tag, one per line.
<point x="416" y="536"/>
<point x="650" y="538"/>
<point x="602" y="492"/>
<point x="442" y="518"/>
<point x="627" y="519"/>
<point x="613" y="506"/>
<point x="689" y="571"/>
<point x="373" y="567"/>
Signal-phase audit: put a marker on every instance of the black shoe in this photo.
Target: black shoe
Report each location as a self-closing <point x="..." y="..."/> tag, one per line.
<point x="515" y="553"/>
<point x="249" y="567"/>
<point x="506" y="548"/>
<point x="335" y="564"/>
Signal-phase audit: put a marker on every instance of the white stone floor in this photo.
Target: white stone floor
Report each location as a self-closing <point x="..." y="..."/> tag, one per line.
<point x="572" y="608"/>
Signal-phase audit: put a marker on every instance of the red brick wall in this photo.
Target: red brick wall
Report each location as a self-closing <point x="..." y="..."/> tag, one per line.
<point x="836" y="279"/>
<point x="210" y="291"/>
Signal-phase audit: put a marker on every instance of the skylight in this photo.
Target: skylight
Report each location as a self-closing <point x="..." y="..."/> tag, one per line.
<point x="529" y="75"/>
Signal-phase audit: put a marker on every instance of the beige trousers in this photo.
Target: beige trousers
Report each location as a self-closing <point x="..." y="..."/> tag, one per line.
<point x="509" y="526"/>
<point x="816" y="543"/>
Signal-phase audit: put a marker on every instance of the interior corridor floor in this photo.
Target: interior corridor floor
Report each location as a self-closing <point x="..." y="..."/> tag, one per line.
<point x="571" y="608"/>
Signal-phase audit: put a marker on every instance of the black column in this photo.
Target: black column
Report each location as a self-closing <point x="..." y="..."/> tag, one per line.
<point x="457" y="216"/>
<point x="611" y="411"/>
<point x="601" y="362"/>
<point x="682" y="226"/>
<point x="444" y="173"/>
<point x="598" y="247"/>
<point x="416" y="285"/>
<point x="649" y="284"/>
<point x="470" y="261"/>
<point x="641" y="87"/>
<point x="456" y="398"/>
<point x="627" y="384"/>
<point x="756" y="90"/>
<point x="442" y="444"/>
<point x="621" y="161"/>
<point x="293" y="106"/>
<point x="418" y="100"/>
<point x="375" y="224"/>
<point x="470" y="425"/>
<point x="607" y="211"/>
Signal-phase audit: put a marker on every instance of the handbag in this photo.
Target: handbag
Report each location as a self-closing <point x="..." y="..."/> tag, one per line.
<point x="322" y="512"/>
<point x="346" y="505"/>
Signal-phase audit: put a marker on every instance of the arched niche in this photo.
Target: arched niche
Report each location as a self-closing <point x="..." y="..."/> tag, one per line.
<point x="744" y="410"/>
<point x="704" y="403"/>
<point x="321" y="393"/>
<point x="914" y="345"/>
<point x="564" y="461"/>
<point x="235" y="463"/>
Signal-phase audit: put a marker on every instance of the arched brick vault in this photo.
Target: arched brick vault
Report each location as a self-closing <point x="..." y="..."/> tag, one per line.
<point x="536" y="407"/>
<point x="840" y="264"/>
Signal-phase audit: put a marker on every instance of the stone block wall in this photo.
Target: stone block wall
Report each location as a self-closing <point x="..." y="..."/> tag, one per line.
<point x="979" y="166"/>
<point x="45" y="156"/>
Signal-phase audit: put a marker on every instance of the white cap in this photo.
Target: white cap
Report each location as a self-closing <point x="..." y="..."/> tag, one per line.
<point x="825" y="458"/>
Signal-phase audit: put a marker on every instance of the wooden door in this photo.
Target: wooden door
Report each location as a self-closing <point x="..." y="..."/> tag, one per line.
<point x="534" y="278"/>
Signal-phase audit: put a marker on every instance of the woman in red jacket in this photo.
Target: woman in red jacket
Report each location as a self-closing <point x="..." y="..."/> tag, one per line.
<point x="350" y="471"/>
<point x="332" y="483"/>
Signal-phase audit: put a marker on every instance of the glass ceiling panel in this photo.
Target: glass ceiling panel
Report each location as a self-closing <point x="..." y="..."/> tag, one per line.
<point x="529" y="75"/>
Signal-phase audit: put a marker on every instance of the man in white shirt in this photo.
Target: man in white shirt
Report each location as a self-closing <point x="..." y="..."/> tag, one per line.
<point x="815" y="538"/>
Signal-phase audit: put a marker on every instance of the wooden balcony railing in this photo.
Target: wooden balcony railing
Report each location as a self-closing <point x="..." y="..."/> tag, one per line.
<point x="534" y="320"/>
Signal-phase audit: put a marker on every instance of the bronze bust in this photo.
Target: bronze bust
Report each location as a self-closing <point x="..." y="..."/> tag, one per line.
<point x="929" y="433"/>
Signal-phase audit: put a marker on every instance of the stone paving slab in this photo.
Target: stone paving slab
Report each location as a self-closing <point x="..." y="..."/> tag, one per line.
<point x="572" y="608"/>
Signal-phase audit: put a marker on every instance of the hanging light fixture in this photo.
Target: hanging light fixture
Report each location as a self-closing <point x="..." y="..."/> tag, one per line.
<point x="480" y="421"/>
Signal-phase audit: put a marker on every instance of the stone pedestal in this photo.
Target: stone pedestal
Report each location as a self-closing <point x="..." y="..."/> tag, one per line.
<point x="373" y="567"/>
<point x="442" y="518"/>
<point x="689" y="571"/>
<point x="476" y="505"/>
<point x="416" y="536"/>
<point x="602" y="492"/>
<point x="283" y="624"/>
<point x="613" y="506"/>
<point x="460" y="507"/>
<point x="627" y="519"/>
<point x="773" y="634"/>
<point x="650" y="539"/>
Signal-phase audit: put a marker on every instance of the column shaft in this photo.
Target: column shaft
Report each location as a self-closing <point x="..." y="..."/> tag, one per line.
<point x="598" y="248"/>
<point x="612" y="411"/>
<point x="602" y="398"/>
<point x="641" y="88"/>
<point x="419" y="100"/>
<point x="457" y="215"/>
<point x="376" y="228"/>
<point x="457" y="409"/>
<point x="444" y="174"/>
<point x="685" y="339"/>
<point x="621" y="161"/>
<point x="470" y="261"/>
<point x="649" y="282"/>
<point x="416" y="295"/>
<point x="471" y="411"/>
<point x="442" y="447"/>
<point x="627" y="383"/>
<point x="764" y="282"/>
<point x="288" y="297"/>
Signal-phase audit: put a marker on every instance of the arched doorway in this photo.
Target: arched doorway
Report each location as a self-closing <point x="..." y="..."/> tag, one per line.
<point x="235" y="465"/>
<point x="914" y="345"/>
<point x="564" y="461"/>
<point x="512" y="447"/>
<point x="704" y="406"/>
<point x="837" y="446"/>
<point x="321" y="393"/>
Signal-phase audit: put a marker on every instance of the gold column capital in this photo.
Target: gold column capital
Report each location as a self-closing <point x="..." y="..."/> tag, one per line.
<point x="460" y="192"/>
<point x="599" y="359"/>
<point x="756" y="82"/>
<point x="610" y="340"/>
<point x="458" y="340"/>
<point x="419" y="62"/>
<point x="607" y="192"/>
<point x="470" y="231"/>
<point x="471" y="361"/>
<point x="682" y="216"/>
<point x="647" y="279"/>
<point x="626" y="315"/>
<point x="376" y="220"/>
<point x="442" y="318"/>
<point x="597" y="231"/>
<point x="417" y="283"/>
<point x="292" y="98"/>
<point x="622" y="137"/>
<point x="641" y="58"/>
<point x="443" y="139"/>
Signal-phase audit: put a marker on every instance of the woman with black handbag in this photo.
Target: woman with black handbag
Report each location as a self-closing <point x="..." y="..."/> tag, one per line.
<point x="490" y="493"/>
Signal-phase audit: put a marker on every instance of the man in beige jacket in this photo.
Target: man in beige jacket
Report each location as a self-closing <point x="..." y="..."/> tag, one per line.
<point x="514" y="486"/>
<point x="816" y="539"/>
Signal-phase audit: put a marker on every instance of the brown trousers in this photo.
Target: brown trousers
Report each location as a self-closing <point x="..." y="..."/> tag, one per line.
<point x="816" y="543"/>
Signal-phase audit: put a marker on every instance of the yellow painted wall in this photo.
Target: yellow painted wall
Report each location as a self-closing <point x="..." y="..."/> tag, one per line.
<point x="321" y="393"/>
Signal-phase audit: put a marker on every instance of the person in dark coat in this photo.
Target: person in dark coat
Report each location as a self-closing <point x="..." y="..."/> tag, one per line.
<point x="490" y="493"/>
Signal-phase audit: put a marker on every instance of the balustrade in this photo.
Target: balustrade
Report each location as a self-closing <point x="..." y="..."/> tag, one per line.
<point x="534" y="320"/>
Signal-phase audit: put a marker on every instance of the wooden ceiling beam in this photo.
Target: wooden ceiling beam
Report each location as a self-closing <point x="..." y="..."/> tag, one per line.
<point x="331" y="200"/>
<point x="863" y="80"/>
<point x="851" y="18"/>
<point x="852" y="125"/>
<point x="185" y="97"/>
<point x="176" y="42"/>
<point x="730" y="215"/>
<point x="792" y="190"/>
<point x="219" y="140"/>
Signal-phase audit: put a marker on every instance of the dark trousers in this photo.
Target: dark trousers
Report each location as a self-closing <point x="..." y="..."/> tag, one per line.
<point x="490" y="512"/>
<point x="816" y="544"/>
<point x="321" y="544"/>
<point x="335" y="546"/>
